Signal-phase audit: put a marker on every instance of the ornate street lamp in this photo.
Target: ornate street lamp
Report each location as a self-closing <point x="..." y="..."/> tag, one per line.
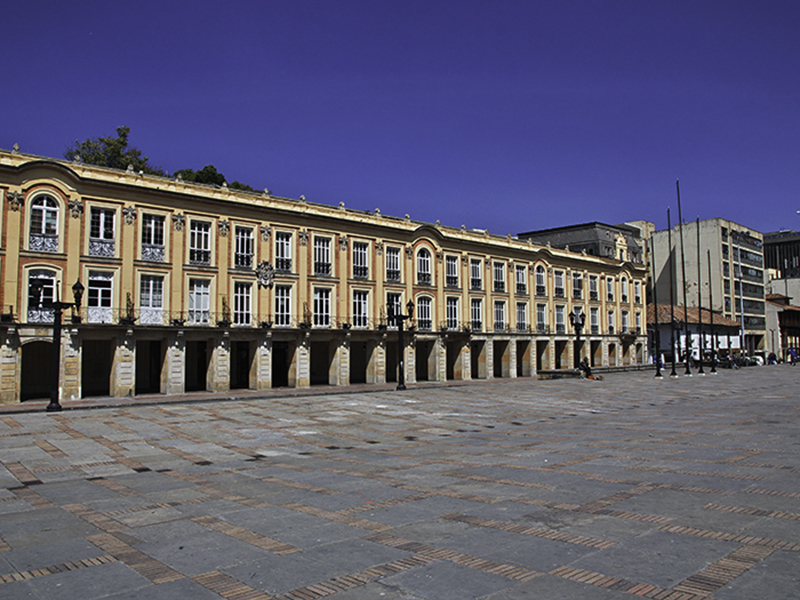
<point x="58" y="306"/>
<point x="577" y="319"/>
<point x="398" y="318"/>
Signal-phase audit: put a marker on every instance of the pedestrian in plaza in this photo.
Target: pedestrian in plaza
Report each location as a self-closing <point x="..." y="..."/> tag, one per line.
<point x="793" y="356"/>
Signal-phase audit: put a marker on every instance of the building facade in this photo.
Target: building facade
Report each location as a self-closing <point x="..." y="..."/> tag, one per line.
<point x="730" y="259"/>
<point x="194" y="287"/>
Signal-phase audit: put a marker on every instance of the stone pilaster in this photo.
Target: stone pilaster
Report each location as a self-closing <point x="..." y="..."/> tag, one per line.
<point x="10" y="367"/>
<point x="123" y="366"/>
<point x="173" y="375"/>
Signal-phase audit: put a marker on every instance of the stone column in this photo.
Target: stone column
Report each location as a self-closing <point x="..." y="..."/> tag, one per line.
<point x="173" y="376"/>
<point x="123" y="367"/>
<point x="219" y="369"/>
<point x="261" y="376"/>
<point x="10" y="367"/>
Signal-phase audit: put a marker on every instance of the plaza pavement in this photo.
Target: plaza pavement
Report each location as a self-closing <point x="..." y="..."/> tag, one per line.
<point x="629" y="487"/>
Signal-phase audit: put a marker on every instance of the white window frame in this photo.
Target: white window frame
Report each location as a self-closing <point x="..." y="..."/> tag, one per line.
<point x="243" y="254"/>
<point x="151" y="299"/>
<point x="43" y="231"/>
<point x="395" y="300"/>
<point x="322" y="256"/>
<point x="541" y="281"/>
<point x="522" y="316"/>
<point x="153" y="237"/>
<point x="199" y="242"/>
<point x="521" y="279"/>
<point x="242" y="303"/>
<point x="561" y="325"/>
<point x="393" y="271"/>
<point x="558" y="284"/>
<point x="322" y="307"/>
<point x="499" y="271"/>
<point x="283" y="252"/>
<point x="594" y="320"/>
<point x="610" y="321"/>
<point x="476" y="314"/>
<point x="199" y="301"/>
<point x="475" y="274"/>
<point x="283" y="306"/>
<point x="424" y="313"/>
<point x="541" y="317"/>
<point x="100" y="296"/>
<point x="451" y="270"/>
<point x="360" y="309"/>
<point x="451" y="312"/>
<point x="36" y="311"/>
<point x="360" y="260"/>
<point x="424" y="276"/>
<point x="499" y="315"/>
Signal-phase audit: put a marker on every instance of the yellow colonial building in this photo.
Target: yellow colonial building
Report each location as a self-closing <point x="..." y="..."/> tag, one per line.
<point x="194" y="287"/>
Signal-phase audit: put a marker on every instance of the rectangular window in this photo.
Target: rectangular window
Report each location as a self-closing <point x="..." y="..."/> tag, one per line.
<point x="476" y="314"/>
<point x="541" y="287"/>
<point x="499" y="316"/>
<point x="360" y="308"/>
<point x="594" y="320"/>
<point x="199" y="294"/>
<point x="577" y="285"/>
<point x="242" y="292"/>
<point x="99" y="296"/>
<point x="559" y="284"/>
<point x="153" y="238"/>
<point x="499" y="277"/>
<point x="393" y="307"/>
<point x="392" y="264"/>
<point x="151" y="300"/>
<point x="593" y="293"/>
<point x="522" y="279"/>
<point x="638" y="322"/>
<point x="475" y="273"/>
<point x="101" y="232"/>
<point x="360" y="268"/>
<point x="283" y="306"/>
<point x="611" y="322"/>
<point x="424" y="267"/>
<point x="322" y="256"/>
<point x="424" y="318"/>
<point x="452" y="313"/>
<point x="243" y="251"/>
<point x="541" y="318"/>
<point x="610" y="288"/>
<point x="41" y="292"/>
<point x="522" y="316"/>
<point x="200" y="243"/>
<point x="451" y="271"/>
<point x="283" y="252"/>
<point x="624" y="324"/>
<point x="561" y="326"/>
<point x="637" y="292"/>
<point x="322" y="307"/>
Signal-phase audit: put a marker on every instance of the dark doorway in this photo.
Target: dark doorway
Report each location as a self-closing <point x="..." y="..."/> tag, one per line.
<point x="148" y="366"/>
<point x="320" y="363"/>
<point x="36" y="370"/>
<point x="280" y="364"/>
<point x="477" y="360"/>
<point x="424" y="350"/>
<point x="240" y="365"/>
<point x="391" y="361"/>
<point x="453" y="350"/>
<point x="196" y="366"/>
<point x="358" y="362"/>
<point x="542" y="363"/>
<point x="96" y="368"/>
<point x="523" y="359"/>
<point x="500" y="363"/>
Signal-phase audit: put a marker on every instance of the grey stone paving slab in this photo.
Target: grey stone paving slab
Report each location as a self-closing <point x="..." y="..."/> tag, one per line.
<point x="42" y="526"/>
<point x="448" y="581"/>
<point x="657" y="558"/>
<point x="547" y="587"/>
<point x="48" y="554"/>
<point x="91" y="583"/>
<point x="183" y="589"/>
<point x="374" y="591"/>
<point x="776" y="578"/>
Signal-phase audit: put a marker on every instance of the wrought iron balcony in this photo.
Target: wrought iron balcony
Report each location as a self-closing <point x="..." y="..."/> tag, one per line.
<point x="499" y="286"/>
<point x="451" y="281"/>
<point x="392" y="274"/>
<point x="475" y="284"/>
<point x="98" y="247"/>
<point x="360" y="272"/>
<point x="199" y="257"/>
<point x="322" y="268"/>
<point x="153" y="252"/>
<point x="283" y="265"/>
<point x="43" y="242"/>
<point x="423" y="279"/>
<point x="522" y="288"/>
<point x="541" y="290"/>
<point x="243" y="261"/>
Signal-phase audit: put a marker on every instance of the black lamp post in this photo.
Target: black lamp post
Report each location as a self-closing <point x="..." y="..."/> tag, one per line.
<point x="577" y="319"/>
<point x="398" y="318"/>
<point x="58" y="306"/>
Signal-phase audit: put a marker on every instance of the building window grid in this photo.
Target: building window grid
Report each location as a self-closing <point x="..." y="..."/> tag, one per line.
<point x="360" y="309"/>
<point x="424" y="267"/>
<point x="392" y="264"/>
<point x="322" y="307"/>
<point x="522" y="279"/>
<point x="153" y="238"/>
<point x="610" y="288"/>
<point x="611" y="322"/>
<point x="243" y="250"/>
<point x="476" y="279"/>
<point x="283" y="306"/>
<point x="452" y="313"/>
<point x="451" y="271"/>
<point x="624" y="324"/>
<point x="624" y="289"/>
<point x="476" y="314"/>
<point x="322" y="256"/>
<point x="499" y="315"/>
<point x="283" y="252"/>
<point x="637" y="292"/>
<point x="200" y="243"/>
<point x="360" y="257"/>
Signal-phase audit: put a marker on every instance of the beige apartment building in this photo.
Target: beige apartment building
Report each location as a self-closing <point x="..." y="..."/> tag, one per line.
<point x="193" y="287"/>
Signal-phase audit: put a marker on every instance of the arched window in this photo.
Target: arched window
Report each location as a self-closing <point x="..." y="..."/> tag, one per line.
<point x="541" y="289"/>
<point x="44" y="224"/>
<point x="41" y="294"/>
<point x="424" y="266"/>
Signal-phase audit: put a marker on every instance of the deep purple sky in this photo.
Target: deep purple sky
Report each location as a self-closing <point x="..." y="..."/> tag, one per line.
<point x="505" y="115"/>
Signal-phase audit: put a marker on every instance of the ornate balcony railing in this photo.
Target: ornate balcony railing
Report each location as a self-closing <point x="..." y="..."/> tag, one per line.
<point x="392" y="275"/>
<point x="199" y="257"/>
<point x="43" y="242"/>
<point x="98" y="247"/>
<point x="153" y="252"/>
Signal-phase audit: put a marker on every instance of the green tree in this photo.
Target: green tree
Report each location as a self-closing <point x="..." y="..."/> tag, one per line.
<point x="112" y="152"/>
<point x="207" y="174"/>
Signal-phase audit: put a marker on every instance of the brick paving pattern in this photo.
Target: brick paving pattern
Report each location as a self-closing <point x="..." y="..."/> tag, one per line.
<point x="673" y="489"/>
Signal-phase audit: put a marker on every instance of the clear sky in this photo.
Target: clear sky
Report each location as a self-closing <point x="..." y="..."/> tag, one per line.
<point x="503" y="115"/>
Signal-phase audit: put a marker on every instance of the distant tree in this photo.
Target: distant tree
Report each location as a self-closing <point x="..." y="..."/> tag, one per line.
<point x="237" y="185"/>
<point x="112" y="152"/>
<point x="207" y="174"/>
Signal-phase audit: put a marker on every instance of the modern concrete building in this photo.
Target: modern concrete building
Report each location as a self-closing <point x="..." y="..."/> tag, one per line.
<point x="195" y="287"/>
<point x="730" y="259"/>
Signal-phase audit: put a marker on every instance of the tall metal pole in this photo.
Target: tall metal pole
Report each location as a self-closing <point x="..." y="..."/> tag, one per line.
<point x="687" y="340"/>
<point x="711" y="310"/>
<point x="701" y="342"/>
<point x="657" y="337"/>
<point x="741" y="290"/>
<point x="55" y="365"/>
<point x="671" y="295"/>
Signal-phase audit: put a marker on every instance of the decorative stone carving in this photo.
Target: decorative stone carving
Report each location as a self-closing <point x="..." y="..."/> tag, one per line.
<point x="439" y="256"/>
<point x="75" y="208"/>
<point x="343" y="242"/>
<point x="409" y="252"/>
<point x="265" y="274"/>
<point x="15" y="200"/>
<point x="224" y="227"/>
<point x="303" y="236"/>
<point x="266" y="233"/>
<point x="379" y="248"/>
<point x="15" y="149"/>
<point x="129" y="212"/>
<point x="178" y="221"/>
